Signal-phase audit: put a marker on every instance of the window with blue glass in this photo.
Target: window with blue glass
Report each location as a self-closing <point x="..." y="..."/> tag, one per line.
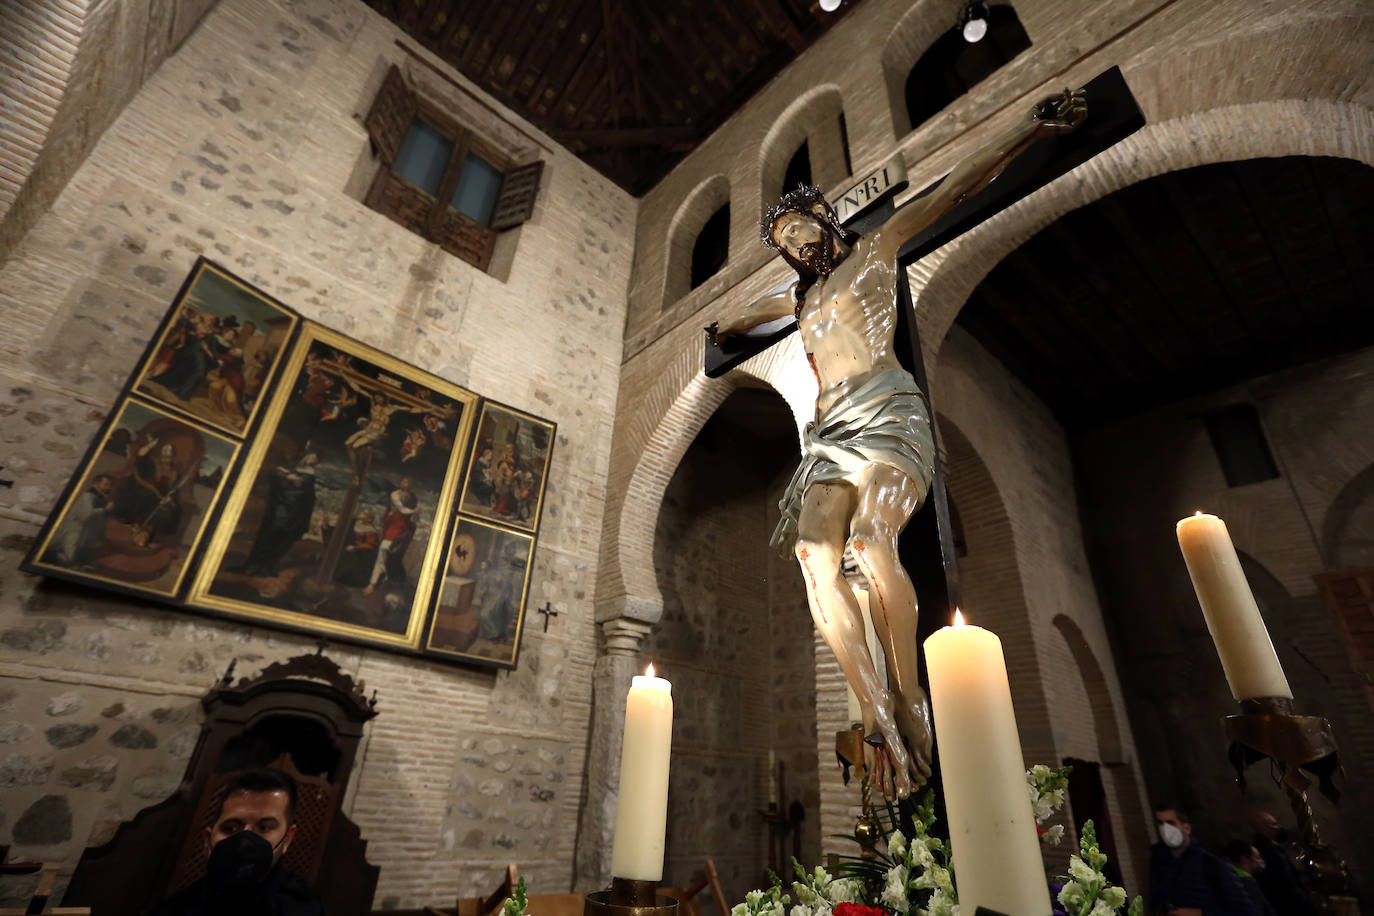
<point x="441" y="180"/>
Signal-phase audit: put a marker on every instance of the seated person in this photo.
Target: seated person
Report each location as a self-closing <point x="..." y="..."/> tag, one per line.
<point x="1246" y="861"/>
<point x="252" y="831"/>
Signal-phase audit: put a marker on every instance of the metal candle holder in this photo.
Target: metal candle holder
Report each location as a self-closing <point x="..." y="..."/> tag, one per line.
<point x="630" y="897"/>
<point x="1268" y="728"/>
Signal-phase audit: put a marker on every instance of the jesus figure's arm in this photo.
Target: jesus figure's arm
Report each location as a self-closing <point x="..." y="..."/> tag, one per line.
<point x="779" y="302"/>
<point x="1055" y="115"/>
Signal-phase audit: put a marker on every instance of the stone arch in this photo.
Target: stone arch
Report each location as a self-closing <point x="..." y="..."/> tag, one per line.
<point x="943" y="281"/>
<point x="669" y="413"/>
<point x="990" y="581"/>
<point x="1108" y="732"/>
<point x="916" y="31"/>
<point x="1348" y="528"/>
<point x="813" y="117"/>
<point x="696" y="208"/>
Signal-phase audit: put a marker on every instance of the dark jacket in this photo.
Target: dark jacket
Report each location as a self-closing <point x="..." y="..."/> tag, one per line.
<point x="1195" y="879"/>
<point x="1281" y="881"/>
<point x="281" y="894"/>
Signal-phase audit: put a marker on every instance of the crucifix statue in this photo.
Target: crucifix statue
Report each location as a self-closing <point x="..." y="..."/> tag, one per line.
<point x="869" y="454"/>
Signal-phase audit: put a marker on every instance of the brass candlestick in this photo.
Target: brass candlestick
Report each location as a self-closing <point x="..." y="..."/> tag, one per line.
<point x="1268" y="728"/>
<point x="630" y="897"/>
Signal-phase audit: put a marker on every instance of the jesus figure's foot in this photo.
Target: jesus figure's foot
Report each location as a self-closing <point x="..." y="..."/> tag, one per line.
<point x="913" y="718"/>
<point x="892" y="764"/>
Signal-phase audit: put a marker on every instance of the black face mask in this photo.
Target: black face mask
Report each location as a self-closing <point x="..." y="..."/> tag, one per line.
<point x="239" y="863"/>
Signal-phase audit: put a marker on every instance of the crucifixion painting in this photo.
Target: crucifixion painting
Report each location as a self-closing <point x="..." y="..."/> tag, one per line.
<point x="869" y="453"/>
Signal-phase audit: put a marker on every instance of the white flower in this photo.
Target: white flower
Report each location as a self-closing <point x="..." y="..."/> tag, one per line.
<point x="1114" y="896"/>
<point x="894" y="890"/>
<point x="896" y="845"/>
<point x="843" y="891"/>
<point x="1054" y="834"/>
<point x="1072" y="895"/>
<point x="1081" y="871"/>
<point x="740" y="909"/>
<point x="1101" y="908"/>
<point x="1040" y="772"/>
<point x="799" y="909"/>
<point x="753" y="899"/>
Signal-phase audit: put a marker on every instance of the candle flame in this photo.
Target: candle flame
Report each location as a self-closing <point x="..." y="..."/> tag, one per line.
<point x="649" y="671"/>
<point x="1198" y="512"/>
<point x="958" y="618"/>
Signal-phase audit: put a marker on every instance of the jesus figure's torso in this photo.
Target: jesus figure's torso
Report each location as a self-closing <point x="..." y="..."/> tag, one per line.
<point x="848" y="320"/>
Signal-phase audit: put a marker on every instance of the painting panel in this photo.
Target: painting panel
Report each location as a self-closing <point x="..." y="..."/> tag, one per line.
<point x="509" y="467"/>
<point x="335" y="524"/>
<point x="139" y="504"/>
<point x="480" y="603"/>
<point x="217" y="349"/>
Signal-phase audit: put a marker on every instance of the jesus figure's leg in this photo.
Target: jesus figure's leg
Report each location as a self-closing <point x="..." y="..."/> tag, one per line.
<point x="822" y="529"/>
<point x="886" y="499"/>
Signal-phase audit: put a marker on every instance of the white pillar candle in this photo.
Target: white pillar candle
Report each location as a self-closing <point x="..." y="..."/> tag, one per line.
<point x="1247" y="655"/>
<point x="641" y="816"/>
<point x="997" y="860"/>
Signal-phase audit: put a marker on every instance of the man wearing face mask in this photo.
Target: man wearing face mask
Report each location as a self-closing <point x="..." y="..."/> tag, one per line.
<point x="252" y="831"/>
<point x="1187" y="880"/>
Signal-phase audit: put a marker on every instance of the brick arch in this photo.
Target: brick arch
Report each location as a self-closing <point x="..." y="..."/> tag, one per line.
<point x="943" y="281"/>
<point x="916" y="31"/>
<point x="990" y="580"/>
<point x="42" y="37"/>
<point x="814" y="117"/>
<point x="668" y="414"/>
<point x="1105" y="725"/>
<point x="691" y="215"/>
<point x="1347" y="536"/>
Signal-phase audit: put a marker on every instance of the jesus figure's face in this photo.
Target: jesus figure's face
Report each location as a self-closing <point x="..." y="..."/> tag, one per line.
<point x="806" y="239"/>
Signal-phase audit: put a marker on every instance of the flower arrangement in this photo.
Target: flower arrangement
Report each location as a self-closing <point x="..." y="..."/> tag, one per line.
<point x="914" y="875"/>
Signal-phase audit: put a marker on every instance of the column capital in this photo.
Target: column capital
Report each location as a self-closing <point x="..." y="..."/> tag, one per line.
<point x="624" y="636"/>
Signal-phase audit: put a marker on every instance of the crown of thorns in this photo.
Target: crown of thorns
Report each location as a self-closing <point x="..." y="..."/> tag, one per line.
<point x="804" y="199"/>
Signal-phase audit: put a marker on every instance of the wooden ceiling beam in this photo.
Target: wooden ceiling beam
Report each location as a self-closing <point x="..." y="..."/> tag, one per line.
<point x="587" y="13"/>
<point x="514" y="27"/>
<point x="779" y="19"/>
<point x="688" y="73"/>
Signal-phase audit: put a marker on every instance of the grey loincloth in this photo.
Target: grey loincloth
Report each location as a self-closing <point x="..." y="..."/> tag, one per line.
<point x="886" y="420"/>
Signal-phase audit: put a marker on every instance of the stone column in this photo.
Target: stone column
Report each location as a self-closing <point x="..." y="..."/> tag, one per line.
<point x="621" y="640"/>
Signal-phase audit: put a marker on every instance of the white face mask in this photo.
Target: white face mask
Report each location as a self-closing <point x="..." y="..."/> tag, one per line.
<point x="1171" y="835"/>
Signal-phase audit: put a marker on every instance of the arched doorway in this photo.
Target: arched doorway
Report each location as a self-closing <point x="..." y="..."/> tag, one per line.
<point x="736" y="640"/>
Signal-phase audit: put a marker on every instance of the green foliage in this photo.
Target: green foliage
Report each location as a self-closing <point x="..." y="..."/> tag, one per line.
<point x="516" y="904"/>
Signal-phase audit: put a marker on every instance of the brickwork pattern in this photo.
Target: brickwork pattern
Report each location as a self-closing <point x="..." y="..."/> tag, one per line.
<point x="1147" y="472"/>
<point x="246" y="146"/>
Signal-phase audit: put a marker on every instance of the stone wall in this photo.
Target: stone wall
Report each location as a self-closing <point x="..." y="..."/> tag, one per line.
<point x="735" y="639"/>
<point x="1140" y="476"/>
<point x="246" y="146"/>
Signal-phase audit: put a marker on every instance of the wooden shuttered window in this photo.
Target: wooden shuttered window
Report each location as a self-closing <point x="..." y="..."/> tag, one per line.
<point x="431" y="212"/>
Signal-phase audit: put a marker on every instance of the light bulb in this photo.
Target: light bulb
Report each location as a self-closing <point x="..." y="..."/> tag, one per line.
<point x="975" y="29"/>
<point x="830" y="5"/>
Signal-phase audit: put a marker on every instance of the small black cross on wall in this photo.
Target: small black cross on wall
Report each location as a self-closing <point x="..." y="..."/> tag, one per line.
<point x="548" y="611"/>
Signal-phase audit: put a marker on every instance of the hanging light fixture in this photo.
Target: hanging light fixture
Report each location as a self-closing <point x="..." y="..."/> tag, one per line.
<point x="973" y="21"/>
<point x="831" y="5"/>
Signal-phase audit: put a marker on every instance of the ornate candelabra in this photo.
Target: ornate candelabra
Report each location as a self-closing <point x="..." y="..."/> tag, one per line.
<point x="1268" y="728"/>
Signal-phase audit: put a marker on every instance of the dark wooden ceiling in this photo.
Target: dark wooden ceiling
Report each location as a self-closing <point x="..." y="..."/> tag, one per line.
<point x="630" y="86"/>
<point x="1185" y="283"/>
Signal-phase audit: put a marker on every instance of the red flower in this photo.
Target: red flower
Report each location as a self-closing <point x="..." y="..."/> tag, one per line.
<point x="858" y="909"/>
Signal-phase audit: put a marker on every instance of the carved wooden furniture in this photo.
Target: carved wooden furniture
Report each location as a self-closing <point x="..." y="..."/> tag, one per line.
<point x="304" y="716"/>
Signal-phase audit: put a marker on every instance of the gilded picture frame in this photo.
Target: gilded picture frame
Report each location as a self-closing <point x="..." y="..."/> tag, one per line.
<point x="508" y="467"/>
<point x="137" y="508"/>
<point x="217" y="350"/>
<point x="479" y="601"/>
<point x="336" y="522"/>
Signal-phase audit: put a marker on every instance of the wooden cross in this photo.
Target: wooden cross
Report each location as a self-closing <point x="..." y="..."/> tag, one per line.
<point x="926" y="547"/>
<point x="548" y="611"/>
